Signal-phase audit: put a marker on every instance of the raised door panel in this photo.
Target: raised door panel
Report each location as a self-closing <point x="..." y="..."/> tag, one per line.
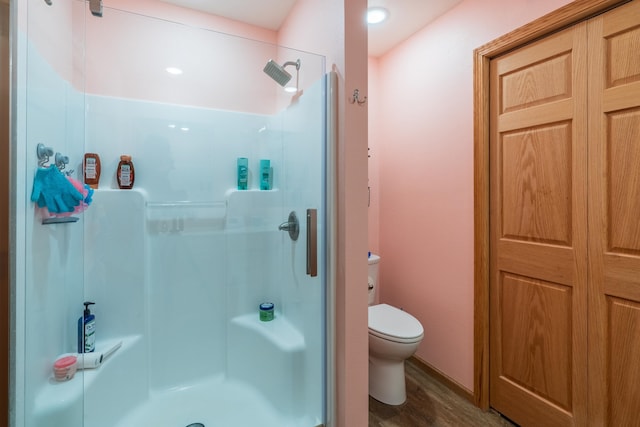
<point x="623" y="186"/>
<point x="538" y="231"/>
<point x="622" y="356"/>
<point x="536" y="344"/>
<point x="614" y="217"/>
<point x="536" y="200"/>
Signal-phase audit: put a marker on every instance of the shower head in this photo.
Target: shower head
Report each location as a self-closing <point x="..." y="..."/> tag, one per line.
<point x="278" y="73"/>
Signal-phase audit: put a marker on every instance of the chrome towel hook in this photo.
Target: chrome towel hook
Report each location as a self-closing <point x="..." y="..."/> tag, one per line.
<point x="356" y="98"/>
<point x="43" y="154"/>
<point x="61" y="163"/>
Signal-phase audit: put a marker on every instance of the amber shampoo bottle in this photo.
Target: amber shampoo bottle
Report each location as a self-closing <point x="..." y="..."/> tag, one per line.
<point x="125" y="174"/>
<point x="91" y="168"/>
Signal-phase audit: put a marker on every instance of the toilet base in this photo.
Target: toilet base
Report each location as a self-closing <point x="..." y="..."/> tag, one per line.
<point x="386" y="381"/>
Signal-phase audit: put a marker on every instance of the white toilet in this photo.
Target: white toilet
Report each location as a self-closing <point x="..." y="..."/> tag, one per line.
<point x="394" y="336"/>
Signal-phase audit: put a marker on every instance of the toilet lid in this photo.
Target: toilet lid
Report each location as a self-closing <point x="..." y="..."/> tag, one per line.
<point x="389" y="322"/>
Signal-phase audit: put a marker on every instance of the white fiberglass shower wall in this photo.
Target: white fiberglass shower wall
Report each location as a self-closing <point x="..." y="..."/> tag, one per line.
<point x="177" y="266"/>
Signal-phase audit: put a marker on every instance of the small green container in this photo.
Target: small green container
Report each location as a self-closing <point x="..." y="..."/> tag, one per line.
<point x="243" y="173"/>
<point x="266" y="311"/>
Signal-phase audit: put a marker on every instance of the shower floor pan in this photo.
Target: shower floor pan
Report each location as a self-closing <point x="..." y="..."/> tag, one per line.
<point x="265" y="388"/>
<point x="213" y="402"/>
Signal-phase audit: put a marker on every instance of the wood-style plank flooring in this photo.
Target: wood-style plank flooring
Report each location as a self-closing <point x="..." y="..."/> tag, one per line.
<point x="430" y="403"/>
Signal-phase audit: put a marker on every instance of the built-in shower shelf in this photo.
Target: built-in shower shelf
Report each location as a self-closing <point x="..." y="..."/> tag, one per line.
<point x="279" y="331"/>
<point x="245" y="211"/>
<point x="57" y="397"/>
<point x="185" y="217"/>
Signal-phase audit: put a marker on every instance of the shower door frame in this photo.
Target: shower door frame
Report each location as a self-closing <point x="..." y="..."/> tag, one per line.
<point x="6" y="235"/>
<point x="331" y="246"/>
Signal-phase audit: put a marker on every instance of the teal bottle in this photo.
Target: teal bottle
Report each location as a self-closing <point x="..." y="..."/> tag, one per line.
<point x="243" y="173"/>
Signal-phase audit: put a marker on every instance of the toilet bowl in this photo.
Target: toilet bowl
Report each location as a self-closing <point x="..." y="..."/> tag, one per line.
<point x="394" y="336"/>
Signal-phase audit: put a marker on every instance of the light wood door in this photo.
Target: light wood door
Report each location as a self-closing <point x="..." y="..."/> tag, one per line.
<point x="614" y="217"/>
<point x="538" y="211"/>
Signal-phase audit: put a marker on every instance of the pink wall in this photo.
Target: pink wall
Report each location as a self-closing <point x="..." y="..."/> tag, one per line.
<point x="193" y="18"/>
<point x="336" y="29"/>
<point x="63" y="51"/>
<point x="352" y="297"/>
<point x="424" y="143"/>
<point x="68" y="18"/>
<point x="127" y="54"/>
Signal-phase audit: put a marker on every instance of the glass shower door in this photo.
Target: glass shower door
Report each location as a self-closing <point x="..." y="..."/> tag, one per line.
<point x="48" y="270"/>
<point x="179" y="265"/>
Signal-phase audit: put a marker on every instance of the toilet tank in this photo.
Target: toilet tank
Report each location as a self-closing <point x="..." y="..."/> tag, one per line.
<point x="374" y="261"/>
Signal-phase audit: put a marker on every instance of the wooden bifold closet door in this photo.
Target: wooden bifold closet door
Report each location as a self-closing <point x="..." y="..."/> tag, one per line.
<point x="614" y="217"/>
<point x="565" y="226"/>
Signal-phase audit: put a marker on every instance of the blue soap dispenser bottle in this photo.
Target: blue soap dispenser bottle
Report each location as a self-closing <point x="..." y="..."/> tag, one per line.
<point x="87" y="330"/>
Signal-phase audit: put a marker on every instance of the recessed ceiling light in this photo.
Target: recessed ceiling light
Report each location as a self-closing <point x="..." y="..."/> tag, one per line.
<point x="376" y="15"/>
<point x="173" y="70"/>
<point x="291" y="89"/>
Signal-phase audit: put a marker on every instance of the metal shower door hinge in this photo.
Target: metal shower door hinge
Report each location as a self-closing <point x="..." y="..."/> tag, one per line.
<point x="96" y="7"/>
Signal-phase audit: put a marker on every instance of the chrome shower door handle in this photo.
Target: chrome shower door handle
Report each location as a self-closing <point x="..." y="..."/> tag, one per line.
<point x="312" y="242"/>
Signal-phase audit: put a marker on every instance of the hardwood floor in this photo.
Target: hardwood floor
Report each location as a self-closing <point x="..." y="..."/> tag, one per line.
<point x="430" y="403"/>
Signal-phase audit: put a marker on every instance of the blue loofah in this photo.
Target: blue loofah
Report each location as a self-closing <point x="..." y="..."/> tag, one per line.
<point x="89" y="197"/>
<point x="52" y="190"/>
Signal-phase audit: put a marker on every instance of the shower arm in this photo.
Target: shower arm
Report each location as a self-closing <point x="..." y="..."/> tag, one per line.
<point x="295" y="63"/>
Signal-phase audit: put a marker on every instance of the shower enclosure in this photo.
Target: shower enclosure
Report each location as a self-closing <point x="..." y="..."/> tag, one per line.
<point x="177" y="266"/>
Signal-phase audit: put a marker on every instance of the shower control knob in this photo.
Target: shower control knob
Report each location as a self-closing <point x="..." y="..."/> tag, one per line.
<point x="292" y="226"/>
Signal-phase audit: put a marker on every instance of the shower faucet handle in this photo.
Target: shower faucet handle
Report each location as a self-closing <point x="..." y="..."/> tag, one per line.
<point x="292" y="225"/>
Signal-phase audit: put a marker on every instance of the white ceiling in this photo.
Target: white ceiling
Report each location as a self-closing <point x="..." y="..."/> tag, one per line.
<point x="405" y="16"/>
